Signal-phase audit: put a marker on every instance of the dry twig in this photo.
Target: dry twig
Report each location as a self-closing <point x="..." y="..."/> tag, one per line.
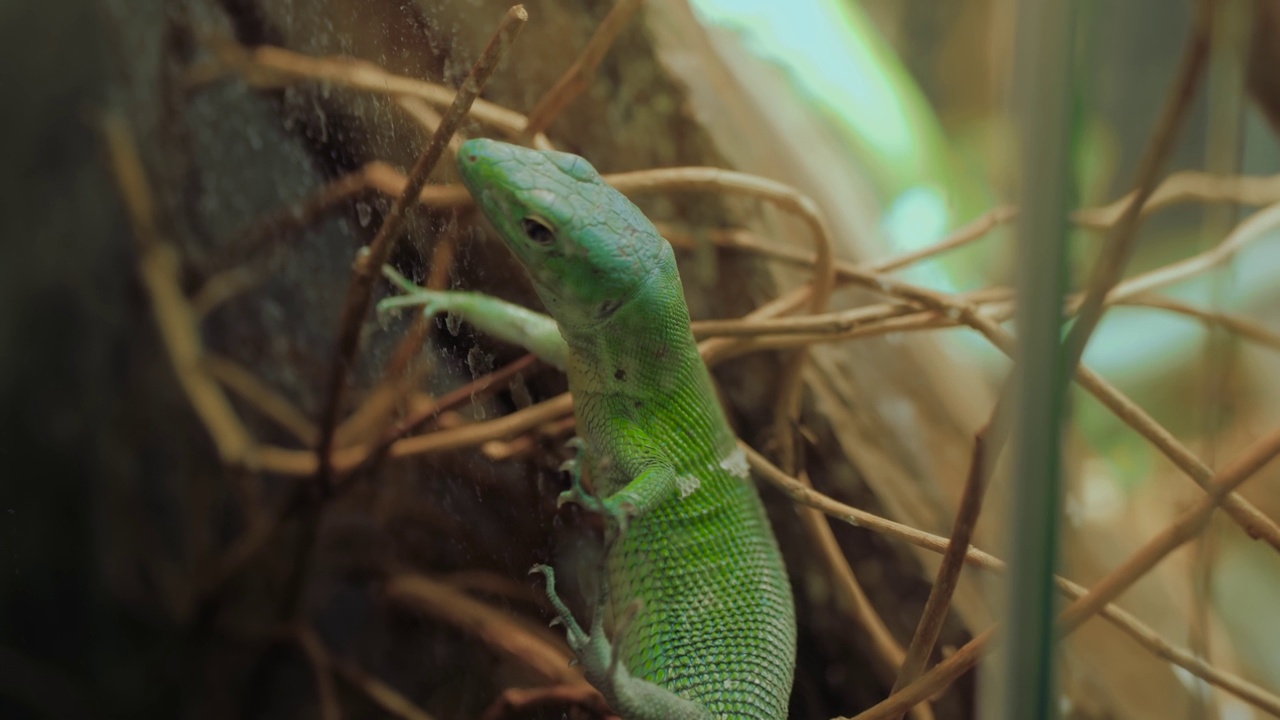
<point x="370" y="261"/>
<point x="802" y="494"/>
<point x="1185" y="528"/>
<point x="579" y="75"/>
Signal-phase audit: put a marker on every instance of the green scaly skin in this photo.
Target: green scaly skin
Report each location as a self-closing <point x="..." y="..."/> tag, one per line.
<point x="702" y="619"/>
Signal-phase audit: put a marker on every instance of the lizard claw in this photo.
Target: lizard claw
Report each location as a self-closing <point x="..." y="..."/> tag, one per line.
<point x="577" y="492"/>
<point x="615" y="511"/>
<point x="619" y="511"/>
<point x="579" y="496"/>
<point x="573" y="465"/>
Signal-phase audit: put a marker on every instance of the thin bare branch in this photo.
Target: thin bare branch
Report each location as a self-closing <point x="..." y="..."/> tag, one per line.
<point x="1246" y="329"/>
<point x="322" y="670"/>
<point x="370" y="261"/>
<point x="1185" y="528"/>
<point x="1109" y="268"/>
<point x="382" y="694"/>
<point x="268" y="66"/>
<point x="158" y="268"/>
<point x="262" y="397"/>
<point x="513" y="701"/>
<point x="579" y="75"/>
<point x="948" y="576"/>
<point x="1145" y="636"/>
<point x="889" y="653"/>
<point x="496" y="629"/>
<point x="1188" y="186"/>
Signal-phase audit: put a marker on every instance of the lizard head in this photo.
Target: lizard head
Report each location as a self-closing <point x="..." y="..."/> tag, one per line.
<point x="586" y="247"/>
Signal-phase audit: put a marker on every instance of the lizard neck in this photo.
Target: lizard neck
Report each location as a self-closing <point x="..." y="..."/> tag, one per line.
<point x="641" y="368"/>
<point x="644" y="346"/>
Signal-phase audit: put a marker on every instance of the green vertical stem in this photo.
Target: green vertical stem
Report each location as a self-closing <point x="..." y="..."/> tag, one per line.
<point x="1045" y="30"/>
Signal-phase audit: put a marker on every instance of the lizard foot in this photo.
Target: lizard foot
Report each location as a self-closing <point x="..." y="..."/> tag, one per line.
<point x="616" y="511"/>
<point x="577" y="638"/>
<point x="431" y="301"/>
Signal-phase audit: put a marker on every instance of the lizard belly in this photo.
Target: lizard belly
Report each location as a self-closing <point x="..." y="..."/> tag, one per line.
<point x="715" y="623"/>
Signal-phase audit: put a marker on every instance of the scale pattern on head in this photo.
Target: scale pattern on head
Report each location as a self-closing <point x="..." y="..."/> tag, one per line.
<point x="586" y="247"/>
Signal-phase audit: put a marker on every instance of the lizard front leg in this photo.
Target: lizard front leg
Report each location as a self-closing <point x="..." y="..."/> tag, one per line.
<point x="532" y="331"/>
<point x="653" y="480"/>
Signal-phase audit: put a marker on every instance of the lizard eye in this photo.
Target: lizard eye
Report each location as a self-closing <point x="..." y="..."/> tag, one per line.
<point x="537" y="231"/>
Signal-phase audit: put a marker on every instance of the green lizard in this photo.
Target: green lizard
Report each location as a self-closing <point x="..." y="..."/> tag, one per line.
<point x="704" y="625"/>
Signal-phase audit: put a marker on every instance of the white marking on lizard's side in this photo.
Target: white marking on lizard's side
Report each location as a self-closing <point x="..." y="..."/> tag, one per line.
<point x="736" y="463"/>
<point x="688" y="484"/>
